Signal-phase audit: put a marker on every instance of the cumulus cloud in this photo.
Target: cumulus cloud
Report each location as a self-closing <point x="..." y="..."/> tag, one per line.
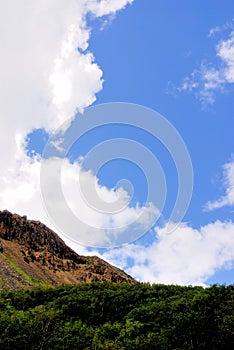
<point x="46" y="71"/>
<point x="228" y="182"/>
<point x="211" y="78"/>
<point x="186" y="256"/>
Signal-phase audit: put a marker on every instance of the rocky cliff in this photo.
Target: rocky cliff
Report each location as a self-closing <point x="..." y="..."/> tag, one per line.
<point x="31" y="255"/>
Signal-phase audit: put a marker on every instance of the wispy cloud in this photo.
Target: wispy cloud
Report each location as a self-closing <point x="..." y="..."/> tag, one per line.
<point x="228" y="26"/>
<point x="212" y="77"/>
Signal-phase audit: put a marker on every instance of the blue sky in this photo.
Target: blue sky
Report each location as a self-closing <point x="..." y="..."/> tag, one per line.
<point x="146" y="53"/>
<point x="176" y="58"/>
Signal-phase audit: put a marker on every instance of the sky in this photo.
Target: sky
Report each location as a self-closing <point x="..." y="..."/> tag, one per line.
<point x="111" y="111"/>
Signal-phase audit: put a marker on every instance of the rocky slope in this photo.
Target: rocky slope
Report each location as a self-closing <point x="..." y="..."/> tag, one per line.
<point x="31" y="255"/>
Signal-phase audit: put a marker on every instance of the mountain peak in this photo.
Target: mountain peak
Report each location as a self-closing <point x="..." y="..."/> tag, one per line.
<point x="31" y="254"/>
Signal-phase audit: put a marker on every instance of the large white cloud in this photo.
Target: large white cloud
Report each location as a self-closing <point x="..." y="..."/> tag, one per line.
<point x="45" y="73"/>
<point x="39" y="64"/>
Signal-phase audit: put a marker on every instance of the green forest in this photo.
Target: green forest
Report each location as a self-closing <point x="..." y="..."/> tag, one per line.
<point x="118" y="316"/>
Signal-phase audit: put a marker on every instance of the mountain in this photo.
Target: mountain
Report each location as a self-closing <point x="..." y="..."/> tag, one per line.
<point x="32" y="255"/>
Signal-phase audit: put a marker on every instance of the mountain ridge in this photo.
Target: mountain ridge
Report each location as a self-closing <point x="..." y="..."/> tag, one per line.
<point x="31" y="254"/>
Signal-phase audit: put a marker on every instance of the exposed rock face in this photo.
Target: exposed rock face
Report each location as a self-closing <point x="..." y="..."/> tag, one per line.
<point x="31" y="254"/>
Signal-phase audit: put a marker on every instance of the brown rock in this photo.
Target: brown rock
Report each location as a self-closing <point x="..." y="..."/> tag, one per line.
<point x="31" y="254"/>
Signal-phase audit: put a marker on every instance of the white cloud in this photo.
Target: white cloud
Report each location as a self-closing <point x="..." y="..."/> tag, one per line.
<point x="228" y="182"/>
<point x="225" y="50"/>
<point x="107" y="7"/>
<point x="45" y="73"/>
<point x="186" y="256"/>
<point x="38" y="44"/>
<point x="210" y="78"/>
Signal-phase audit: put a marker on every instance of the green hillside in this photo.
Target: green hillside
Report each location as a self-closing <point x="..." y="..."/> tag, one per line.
<point x="118" y="316"/>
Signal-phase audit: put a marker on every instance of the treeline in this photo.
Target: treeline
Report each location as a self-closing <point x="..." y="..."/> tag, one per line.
<point x="118" y="316"/>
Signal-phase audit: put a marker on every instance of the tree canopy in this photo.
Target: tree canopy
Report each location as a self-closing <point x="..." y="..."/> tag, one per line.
<point x="118" y="316"/>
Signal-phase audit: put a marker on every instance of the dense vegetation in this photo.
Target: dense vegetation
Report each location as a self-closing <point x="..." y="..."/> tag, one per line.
<point x="118" y="316"/>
